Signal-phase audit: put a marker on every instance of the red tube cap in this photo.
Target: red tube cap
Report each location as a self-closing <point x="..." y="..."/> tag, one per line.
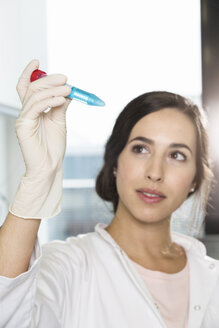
<point x="37" y="74"/>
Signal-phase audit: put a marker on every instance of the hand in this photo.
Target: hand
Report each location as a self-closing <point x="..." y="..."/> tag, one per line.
<point x="42" y="135"/>
<point x="42" y="139"/>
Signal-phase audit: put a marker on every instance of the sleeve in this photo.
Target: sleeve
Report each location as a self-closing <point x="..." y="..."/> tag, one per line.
<point x="16" y="294"/>
<point x="47" y="294"/>
<point x="63" y="270"/>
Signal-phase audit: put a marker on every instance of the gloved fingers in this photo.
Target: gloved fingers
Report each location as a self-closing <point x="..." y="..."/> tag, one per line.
<point x="24" y="80"/>
<point x="59" y="113"/>
<point x="46" y="82"/>
<point x="44" y="94"/>
<point x="34" y="112"/>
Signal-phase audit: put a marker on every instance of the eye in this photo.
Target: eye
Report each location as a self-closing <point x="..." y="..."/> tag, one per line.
<point x="179" y="156"/>
<point x="139" y="149"/>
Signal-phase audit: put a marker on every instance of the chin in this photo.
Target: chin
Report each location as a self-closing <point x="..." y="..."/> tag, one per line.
<point x="150" y="217"/>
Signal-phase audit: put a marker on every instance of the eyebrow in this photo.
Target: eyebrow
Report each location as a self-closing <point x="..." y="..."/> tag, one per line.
<point x="172" y="145"/>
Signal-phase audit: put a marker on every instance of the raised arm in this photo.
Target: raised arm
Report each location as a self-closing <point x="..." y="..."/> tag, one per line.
<point x="17" y="239"/>
<point x="42" y="139"/>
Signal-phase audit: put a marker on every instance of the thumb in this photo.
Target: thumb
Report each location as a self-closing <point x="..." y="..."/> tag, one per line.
<point x="24" y="80"/>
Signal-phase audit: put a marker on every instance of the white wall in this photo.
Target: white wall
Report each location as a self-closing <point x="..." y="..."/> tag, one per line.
<point x="22" y="37"/>
<point x="119" y="50"/>
<point x="3" y="170"/>
<point x="3" y="152"/>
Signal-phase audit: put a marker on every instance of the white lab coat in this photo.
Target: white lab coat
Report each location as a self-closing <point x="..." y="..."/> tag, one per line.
<point x="88" y="281"/>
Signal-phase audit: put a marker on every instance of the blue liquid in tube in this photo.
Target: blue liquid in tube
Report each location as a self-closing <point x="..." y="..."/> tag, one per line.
<point x="85" y="97"/>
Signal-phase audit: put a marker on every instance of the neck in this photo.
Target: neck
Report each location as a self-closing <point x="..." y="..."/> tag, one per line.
<point x="143" y="239"/>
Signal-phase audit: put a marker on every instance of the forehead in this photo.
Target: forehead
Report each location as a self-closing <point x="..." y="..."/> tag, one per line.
<point x="166" y="126"/>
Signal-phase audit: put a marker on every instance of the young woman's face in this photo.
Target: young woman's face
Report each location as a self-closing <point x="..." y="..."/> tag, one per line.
<point x="160" y="155"/>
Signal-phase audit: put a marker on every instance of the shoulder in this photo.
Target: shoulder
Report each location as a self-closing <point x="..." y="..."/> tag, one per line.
<point x="75" y="249"/>
<point x="196" y="249"/>
<point x="190" y="243"/>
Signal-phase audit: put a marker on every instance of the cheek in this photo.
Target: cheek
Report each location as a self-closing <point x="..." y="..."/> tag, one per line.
<point x="128" y="169"/>
<point x="181" y="181"/>
<point x="128" y="173"/>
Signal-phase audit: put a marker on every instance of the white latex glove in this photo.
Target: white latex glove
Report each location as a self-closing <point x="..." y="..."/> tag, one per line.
<point x="42" y="139"/>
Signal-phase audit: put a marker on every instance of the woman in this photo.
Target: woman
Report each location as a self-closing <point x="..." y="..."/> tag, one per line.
<point x="134" y="272"/>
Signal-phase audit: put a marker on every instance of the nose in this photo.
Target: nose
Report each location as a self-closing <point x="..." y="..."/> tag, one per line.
<point x="154" y="179"/>
<point x="154" y="170"/>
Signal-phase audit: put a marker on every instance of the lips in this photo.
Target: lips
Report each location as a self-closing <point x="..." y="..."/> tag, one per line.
<point x="153" y="192"/>
<point x="150" y="196"/>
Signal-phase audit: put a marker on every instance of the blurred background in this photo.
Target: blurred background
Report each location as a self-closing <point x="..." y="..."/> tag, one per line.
<point x="116" y="50"/>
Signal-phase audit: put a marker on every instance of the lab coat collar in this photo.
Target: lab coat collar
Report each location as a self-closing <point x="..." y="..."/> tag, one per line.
<point x="187" y="242"/>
